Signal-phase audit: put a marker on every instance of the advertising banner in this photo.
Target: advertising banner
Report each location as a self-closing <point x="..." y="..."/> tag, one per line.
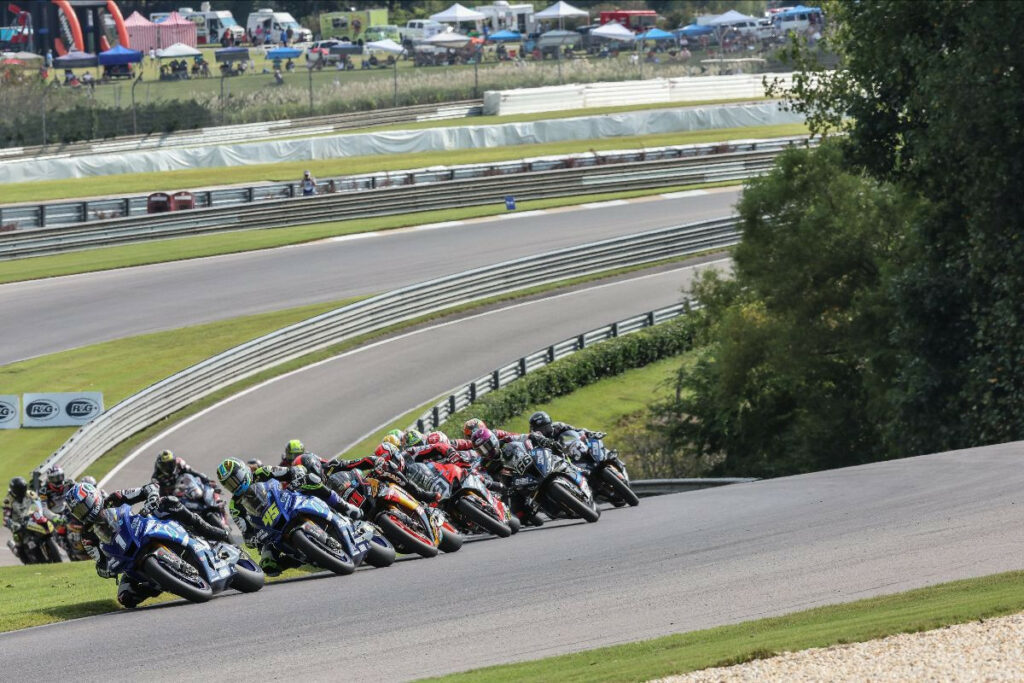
<point x="9" y="412"/>
<point x="61" y="410"/>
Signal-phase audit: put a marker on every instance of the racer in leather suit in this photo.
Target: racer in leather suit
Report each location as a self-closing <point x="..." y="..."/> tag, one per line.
<point x="307" y="478"/>
<point x="17" y="505"/>
<point x="53" y="488"/>
<point x="89" y="506"/>
<point x="378" y="465"/>
<point x="168" y="468"/>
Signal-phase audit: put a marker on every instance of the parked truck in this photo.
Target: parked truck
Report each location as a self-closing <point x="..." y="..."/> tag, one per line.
<point x="212" y="25"/>
<point x="351" y="26"/>
<point x="270" y="25"/>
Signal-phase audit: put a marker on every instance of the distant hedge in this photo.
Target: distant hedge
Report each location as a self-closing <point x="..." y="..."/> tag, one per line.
<point x="604" y="359"/>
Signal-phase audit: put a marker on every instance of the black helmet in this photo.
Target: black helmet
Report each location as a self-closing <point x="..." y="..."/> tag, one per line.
<point x="19" y="487"/>
<point x="254" y="463"/>
<point x="541" y="422"/>
<point x="312" y="464"/>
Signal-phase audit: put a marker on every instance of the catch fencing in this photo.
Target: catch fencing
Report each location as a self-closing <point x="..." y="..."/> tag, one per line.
<point x="376" y="314"/>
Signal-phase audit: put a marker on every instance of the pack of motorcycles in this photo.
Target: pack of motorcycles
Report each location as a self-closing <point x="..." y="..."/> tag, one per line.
<point x="302" y="530"/>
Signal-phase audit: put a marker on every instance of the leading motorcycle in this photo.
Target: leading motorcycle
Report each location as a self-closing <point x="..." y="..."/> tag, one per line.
<point x="605" y="473"/>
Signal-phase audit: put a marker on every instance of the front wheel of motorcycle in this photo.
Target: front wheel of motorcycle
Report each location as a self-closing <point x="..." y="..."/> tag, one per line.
<point x="618" y="485"/>
<point x="451" y="540"/>
<point x="248" y="577"/>
<point x="402" y="536"/>
<point x="320" y="555"/>
<point x="481" y="519"/>
<point x="193" y="588"/>
<point x="380" y="555"/>
<point x="564" y="499"/>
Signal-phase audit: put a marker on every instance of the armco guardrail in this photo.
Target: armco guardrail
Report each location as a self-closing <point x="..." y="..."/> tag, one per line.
<point x="391" y="201"/>
<point x="469" y="393"/>
<point x="661" y="487"/>
<point x="314" y="125"/>
<point x="376" y="313"/>
<point x="55" y="214"/>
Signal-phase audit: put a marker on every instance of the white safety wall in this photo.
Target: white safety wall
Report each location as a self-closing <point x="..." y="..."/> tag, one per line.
<point x="402" y="142"/>
<point x="654" y="91"/>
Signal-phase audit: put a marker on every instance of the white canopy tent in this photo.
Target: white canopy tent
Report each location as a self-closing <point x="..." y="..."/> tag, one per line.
<point x="561" y="10"/>
<point x="452" y="40"/>
<point x="613" y="30"/>
<point x="457" y="14"/>
<point x="392" y="48"/>
<point x="730" y="17"/>
<point x="178" y="50"/>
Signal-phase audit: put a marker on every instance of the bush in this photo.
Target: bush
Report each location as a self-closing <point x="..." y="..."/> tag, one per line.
<point x="564" y="376"/>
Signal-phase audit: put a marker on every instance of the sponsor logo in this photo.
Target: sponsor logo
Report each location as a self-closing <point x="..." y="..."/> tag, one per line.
<point x="8" y="412"/>
<point x="42" y="409"/>
<point x="82" y="408"/>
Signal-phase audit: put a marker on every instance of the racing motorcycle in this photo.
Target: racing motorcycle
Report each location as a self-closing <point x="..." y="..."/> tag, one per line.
<point x="305" y="530"/>
<point x="202" y="499"/>
<point x="464" y="497"/>
<point x="605" y="473"/>
<point x="162" y="555"/>
<point x="39" y="538"/>
<point x="549" y="482"/>
<point x="412" y="527"/>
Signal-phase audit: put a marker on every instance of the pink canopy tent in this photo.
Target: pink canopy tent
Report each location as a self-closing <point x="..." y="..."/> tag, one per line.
<point x="176" y="29"/>
<point x="142" y="33"/>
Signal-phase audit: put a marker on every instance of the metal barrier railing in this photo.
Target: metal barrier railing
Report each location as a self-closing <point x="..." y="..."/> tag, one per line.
<point x="170" y="395"/>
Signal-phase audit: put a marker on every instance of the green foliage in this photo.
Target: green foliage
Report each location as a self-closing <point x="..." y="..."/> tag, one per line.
<point x="796" y="345"/>
<point x="578" y="370"/>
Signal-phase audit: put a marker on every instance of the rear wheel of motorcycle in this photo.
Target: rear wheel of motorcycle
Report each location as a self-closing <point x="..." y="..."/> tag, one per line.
<point x="404" y="538"/>
<point x="248" y="577"/>
<point x="567" y="501"/>
<point x="380" y="555"/>
<point x="321" y="556"/>
<point x="451" y="540"/>
<point x="619" y="487"/>
<point x="193" y="589"/>
<point x="481" y="519"/>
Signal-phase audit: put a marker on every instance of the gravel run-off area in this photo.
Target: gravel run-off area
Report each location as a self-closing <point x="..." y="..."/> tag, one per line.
<point x="989" y="650"/>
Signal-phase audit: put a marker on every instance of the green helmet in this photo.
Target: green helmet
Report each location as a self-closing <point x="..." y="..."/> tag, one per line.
<point x="235" y="476"/>
<point x="412" y="438"/>
<point x="293" y="450"/>
<point x="397" y="433"/>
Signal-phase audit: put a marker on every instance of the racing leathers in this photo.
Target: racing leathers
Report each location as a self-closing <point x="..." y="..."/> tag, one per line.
<point x="130" y="593"/>
<point x="167" y="480"/>
<point x="15" y="511"/>
<point x="52" y="495"/>
<point x="392" y="474"/>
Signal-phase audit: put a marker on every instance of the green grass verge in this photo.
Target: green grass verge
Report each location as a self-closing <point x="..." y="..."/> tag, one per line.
<point x="122" y="367"/>
<point x="161" y="251"/>
<point x="918" y="610"/>
<point x="136" y="183"/>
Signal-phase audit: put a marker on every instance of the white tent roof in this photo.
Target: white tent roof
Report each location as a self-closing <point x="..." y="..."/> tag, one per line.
<point x="457" y="13"/>
<point x="386" y="45"/>
<point x="560" y="10"/>
<point x="730" y="17"/>
<point x="613" y="30"/>
<point x="178" y="50"/>
<point x="452" y="40"/>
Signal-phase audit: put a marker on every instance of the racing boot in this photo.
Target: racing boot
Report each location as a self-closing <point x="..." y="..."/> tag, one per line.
<point x="269" y="563"/>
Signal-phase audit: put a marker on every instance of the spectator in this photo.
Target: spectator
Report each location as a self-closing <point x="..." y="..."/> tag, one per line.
<point x="152" y="55"/>
<point x="49" y="59"/>
<point x="278" y="78"/>
<point x="289" y="66"/>
<point x="308" y="184"/>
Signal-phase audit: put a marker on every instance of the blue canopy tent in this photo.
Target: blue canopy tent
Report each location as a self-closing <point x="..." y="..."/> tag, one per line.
<point x="695" y="31"/>
<point x="656" y="34"/>
<point x="284" y="53"/>
<point x="119" y="56"/>
<point x="504" y="35"/>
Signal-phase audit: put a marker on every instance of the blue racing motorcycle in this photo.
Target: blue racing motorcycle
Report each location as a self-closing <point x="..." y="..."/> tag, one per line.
<point x="304" y="529"/>
<point x="549" y="481"/>
<point x="160" y="554"/>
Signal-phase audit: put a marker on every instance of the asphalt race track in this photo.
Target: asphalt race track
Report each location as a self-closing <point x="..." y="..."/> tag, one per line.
<point x="334" y="403"/>
<point x="67" y="312"/>
<point x="676" y="563"/>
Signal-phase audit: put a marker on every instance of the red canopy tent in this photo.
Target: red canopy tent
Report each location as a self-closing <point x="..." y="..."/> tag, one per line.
<point x="142" y="33"/>
<point x="176" y="29"/>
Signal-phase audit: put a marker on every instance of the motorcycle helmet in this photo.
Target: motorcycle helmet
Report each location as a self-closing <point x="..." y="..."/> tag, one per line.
<point x="55" y="477"/>
<point x="471" y="425"/>
<point x="391" y="439"/>
<point x="540" y="422"/>
<point x="412" y="439"/>
<point x="89" y="479"/>
<point x="84" y="502"/>
<point x="18" y="487"/>
<point x="434" y="438"/>
<point x="485" y="442"/>
<point x="387" y="450"/>
<point x="397" y="433"/>
<point x="312" y="464"/>
<point x="165" y="462"/>
<point x="254" y="463"/>
<point x="235" y="476"/>
<point x="293" y="449"/>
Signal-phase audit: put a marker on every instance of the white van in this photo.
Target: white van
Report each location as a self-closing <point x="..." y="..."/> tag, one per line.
<point x="798" y="19"/>
<point x="271" y="24"/>
<point x="421" y="29"/>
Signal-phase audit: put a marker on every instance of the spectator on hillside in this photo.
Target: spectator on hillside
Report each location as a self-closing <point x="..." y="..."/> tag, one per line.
<point x="308" y="184"/>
